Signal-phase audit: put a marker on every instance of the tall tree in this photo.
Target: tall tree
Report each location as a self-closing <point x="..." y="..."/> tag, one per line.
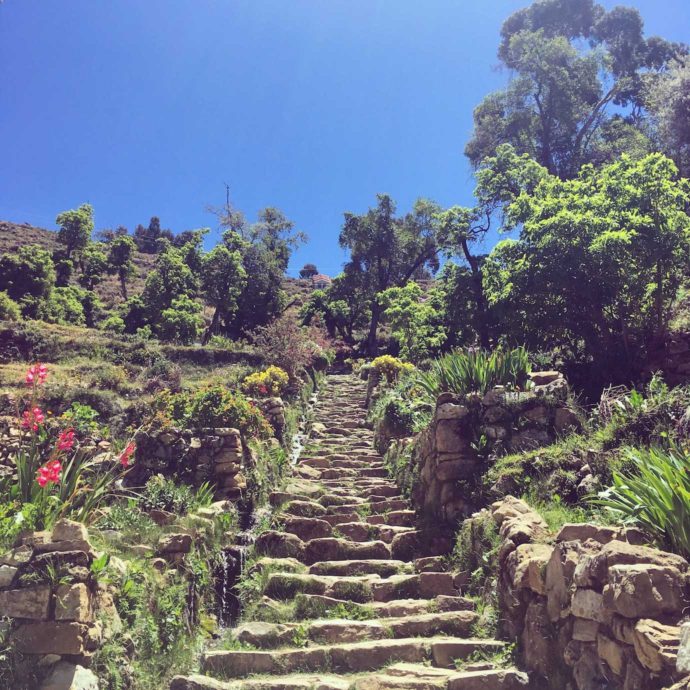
<point x="387" y="251"/>
<point x="120" y="253"/>
<point x="93" y="263"/>
<point x="76" y="227"/>
<point x="222" y="280"/>
<point x="308" y="270"/>
<point x="566" y="105"/>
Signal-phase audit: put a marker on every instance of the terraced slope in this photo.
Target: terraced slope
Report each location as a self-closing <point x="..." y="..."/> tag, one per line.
<point x="367" y="598"/>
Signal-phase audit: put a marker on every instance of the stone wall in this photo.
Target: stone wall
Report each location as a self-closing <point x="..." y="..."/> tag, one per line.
<point x="594" y="608"/>
<point x="194" y="456"/>
<point x="57" y="611"/>
<point x="465" y="431"/>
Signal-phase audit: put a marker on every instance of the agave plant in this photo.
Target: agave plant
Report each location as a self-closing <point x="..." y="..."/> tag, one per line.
<point x="476" y="371"/>
<point x="654" y="495"/>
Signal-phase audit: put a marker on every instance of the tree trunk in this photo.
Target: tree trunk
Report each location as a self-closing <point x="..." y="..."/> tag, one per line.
<point x="659" y="298"/>
<point x="479" y="298"/>
<point x="123" y="286"/>
<point x="373" y="328"/>
<point x="212" y="328"/>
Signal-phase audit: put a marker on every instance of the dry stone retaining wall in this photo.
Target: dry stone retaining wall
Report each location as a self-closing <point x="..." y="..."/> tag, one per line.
<point x="595" y="608"/>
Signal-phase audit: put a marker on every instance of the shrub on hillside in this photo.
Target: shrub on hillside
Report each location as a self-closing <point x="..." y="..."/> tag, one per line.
<point x="269" y="382"/>
<point x="181" y="322"/>
<point x="215" y="406"/>
<point x="63" y="306"/>
<point x="9" y="309"/>
<point x="390" y="367"/>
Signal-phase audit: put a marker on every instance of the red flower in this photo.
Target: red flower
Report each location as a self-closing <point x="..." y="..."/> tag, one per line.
<point x="49" y="473"/>
<point x="66" y="441"/>
<point x="127" y="454"/>
<point x="37" y="374"/>
<point x="32" y="419"/>
<point x="263" y="390"/>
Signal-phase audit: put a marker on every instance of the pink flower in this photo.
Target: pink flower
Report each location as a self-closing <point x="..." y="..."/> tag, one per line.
<point x="32" y="419"/>
<point x="49" y="473"/>
<point x="263" y="390"/>
<point x="66" y="441"/>
<point x="127" y="453"/>
<point x="37" y="374"/>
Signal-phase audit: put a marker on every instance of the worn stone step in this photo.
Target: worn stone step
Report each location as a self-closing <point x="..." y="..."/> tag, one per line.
<point x="306" y="528"/>
<point x="383" y="568"/>
<point x="490" y="679"/>
<point x="354" y="657"/>
<point x="332" y="549"/>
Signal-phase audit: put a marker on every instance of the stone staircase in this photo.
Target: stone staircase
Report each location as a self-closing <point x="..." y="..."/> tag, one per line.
<point x="361" y="594"/>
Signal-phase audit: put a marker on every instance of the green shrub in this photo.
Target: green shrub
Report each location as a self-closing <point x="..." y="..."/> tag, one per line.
<point x="9" y="309"/>
<point x="390" y="367"/>
<point x="113" y="324"/>
<point x="63" y="306"/>
<point x="654" y="495"/>
<point x="270" y="382"/>
<point x="181" y="322"/>
<point x="476" y="371"/>
<point x="161" y="493"/>
<point x="216" y="406"/>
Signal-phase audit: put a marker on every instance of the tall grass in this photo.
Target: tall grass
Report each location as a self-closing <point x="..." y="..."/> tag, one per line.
<point x="654" y="494"/>
<point x="476" y="371"/>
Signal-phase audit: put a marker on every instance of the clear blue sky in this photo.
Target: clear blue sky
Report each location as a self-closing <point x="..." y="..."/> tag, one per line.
<point x="146" y="107"/>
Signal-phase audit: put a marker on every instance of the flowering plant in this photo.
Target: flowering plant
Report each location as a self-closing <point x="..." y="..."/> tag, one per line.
<point x="271" y="381"/>
<point x="57" y="476"/>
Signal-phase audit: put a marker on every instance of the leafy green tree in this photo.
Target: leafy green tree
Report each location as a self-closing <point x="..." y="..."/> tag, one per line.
<point x="171" y="279"/>
<point x="597" y="263"/>
<point x="308" y="270"/>
<point x="120" y="260"/>
<point x="669" y="101"/>
<point x="181" y="322"/>
<point x="27" y="276"/>
<point x="94" y="263"/>
<point x="9" y="309"/>
<point x="76" y="227"/>
<point x="222" y="280"/>
<point x="562" y="98"/>
<point x="63" y="306"/>
<point x="415" y="321"/>
<point x="386" y="251"/>
<point x="500" y="179"/>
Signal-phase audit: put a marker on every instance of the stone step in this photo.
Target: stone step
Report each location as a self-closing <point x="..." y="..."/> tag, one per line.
<point x="354" y="657"/>
<point x="361" y="588"/>
<point x="383" y="568"/>
<point x="364" y="531"/>
<point x="332" y="549"/>
<point x="341" y="631"/>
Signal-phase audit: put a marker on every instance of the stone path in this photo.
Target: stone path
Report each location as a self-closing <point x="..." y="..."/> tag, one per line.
<point x="361" y="594"/>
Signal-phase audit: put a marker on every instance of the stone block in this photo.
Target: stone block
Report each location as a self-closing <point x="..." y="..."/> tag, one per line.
<point x="450" y="438"/>
<point x="49" y="638"/>
<point x="526" y="567"/>
<point x="644" y="591"/>
<point x="683" y="660"/>
<point x="585" y="630"/>
<point x="73" y="603"/>
<point x="613" y="653"/>
<point x="7" y="573"/>
<point x="451" y="410"/>
<point x="589" y="604"/>
<point x="175" y="543"/>
<point x="68" y="676"/>
<point x="69" y="530"/>
<point x="32" y="603"/>
<point x="656" y="645"/>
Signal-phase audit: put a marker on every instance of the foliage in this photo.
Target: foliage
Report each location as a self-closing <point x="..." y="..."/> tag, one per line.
<point x="120" y="253"/>
<point x="654" y="494"/>
<point x="93" y="263"/>
<point x="215" y="406"/>
<point x="386" y="251"/>
<point x="27" y="276"/>
<point x="269" y="382"/>
<point x="76" y="227"/>
<point x="181" y="322"/>
<point x="621" y="231"/>
<point x="63" y="306"/>
<point x="476" y="371"/>
<point x="162" y="493"/>
<point x="288" y="346"/>
<point x="308" y="270"/>
<point x="415" y="321"/>
<point x="390" y="367"/>
<point x="566" y="105"/>
<point x="476" y="550"/>
<point x="9" y="309"/>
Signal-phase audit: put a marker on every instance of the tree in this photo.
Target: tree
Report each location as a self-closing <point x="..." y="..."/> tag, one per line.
<point x="597" y="263"/>
<point x="120" y="253"/>
<point x="171" y="279"/>
<point x="76" y="227"/>
<point x="94" y="263"/>
<point x="27" y="276"/>
<point x="308" y="270"/>
<point x="669" y="101"/>
<point x="386" y="251"/>
<point x="181" y="322"/>
<point x="562" y="98"/>
<point x="147" y="238"/>
<point x="222" y="280"/>
<point x="500" y="179"/>
<point x="415" y="321"/>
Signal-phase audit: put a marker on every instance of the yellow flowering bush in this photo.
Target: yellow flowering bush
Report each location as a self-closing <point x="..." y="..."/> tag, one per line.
<point x="390" y="367"/>
<point x="271" y="381"/>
